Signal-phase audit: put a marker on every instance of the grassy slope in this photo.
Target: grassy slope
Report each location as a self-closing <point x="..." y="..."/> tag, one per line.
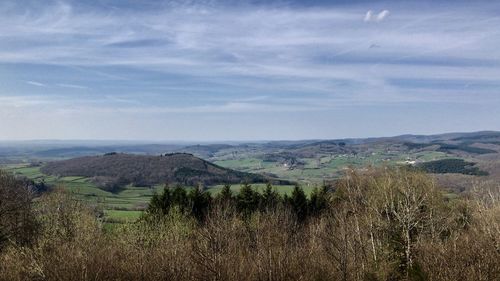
<point x="123" y="206"/>
<point x="324" y="167"/>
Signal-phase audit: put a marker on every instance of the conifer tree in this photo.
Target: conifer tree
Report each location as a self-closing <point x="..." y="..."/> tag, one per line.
<point x="318" y="200"/>
<point x="199" y="203"/>
<point x="179" y="197"/>
<point x="160" y="204"/>
<point x="226" y="195"/>
<point x="270" y="198"/>
<point x="247" y="199"/>
<point x="298" y="202"/>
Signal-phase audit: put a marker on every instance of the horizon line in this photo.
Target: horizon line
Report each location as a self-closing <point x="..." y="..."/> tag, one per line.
<point x="149" y="141"/>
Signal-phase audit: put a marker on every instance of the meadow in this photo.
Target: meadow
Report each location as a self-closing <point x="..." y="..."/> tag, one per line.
<point x="124" y="206"/>
<point x="128" y="203"/>
<point x="325" y="167"/>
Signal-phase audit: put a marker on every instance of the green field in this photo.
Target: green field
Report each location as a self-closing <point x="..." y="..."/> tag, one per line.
<point x="314" y="171"/>
<point x="126" y="205"/>
<point x="122" y="206"/>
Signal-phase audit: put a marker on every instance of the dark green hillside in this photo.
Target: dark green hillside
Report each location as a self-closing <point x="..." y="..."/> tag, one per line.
<point x="481" y="137"/>
<point x="205" y="150"/>
<point x="458" y="166"/>
<point x="310" y="150"/>
<point x="465" y="148"/>
<point x="115" y="170"/>
<point x="449" y="148"/>
<point x="416" y="145"/>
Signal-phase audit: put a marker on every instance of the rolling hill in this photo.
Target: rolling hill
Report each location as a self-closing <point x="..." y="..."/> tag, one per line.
<point x="311" y="161"/>
<point x="113" y="171"/>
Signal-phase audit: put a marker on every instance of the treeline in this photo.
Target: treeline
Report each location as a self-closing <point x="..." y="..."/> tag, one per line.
<point x="381" y="224"/>
<point x="197" y="203"/>
<point x="444" y="147"/>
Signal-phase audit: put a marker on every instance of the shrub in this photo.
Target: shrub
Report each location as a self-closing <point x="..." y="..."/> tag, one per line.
<point x="17" y="221"/>
<point x="381" y="224"/>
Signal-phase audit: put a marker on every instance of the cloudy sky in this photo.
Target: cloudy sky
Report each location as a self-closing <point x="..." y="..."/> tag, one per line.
<point x="236" y="70"/>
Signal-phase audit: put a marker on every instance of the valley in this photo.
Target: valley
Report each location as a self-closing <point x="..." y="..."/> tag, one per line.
<point x="121" y="179"/>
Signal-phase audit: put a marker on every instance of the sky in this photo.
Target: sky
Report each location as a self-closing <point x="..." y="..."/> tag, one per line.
<point x="247" y="70"/>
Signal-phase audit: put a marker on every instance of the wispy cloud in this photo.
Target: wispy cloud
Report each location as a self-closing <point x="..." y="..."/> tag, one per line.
<point x="370" y="16"/>
<point x="35" y="83"/>
<point x="216" y="57"/>
<point x="72" y="86"/>
<point x="23" y="101"/>
<point x="206" y="40"/>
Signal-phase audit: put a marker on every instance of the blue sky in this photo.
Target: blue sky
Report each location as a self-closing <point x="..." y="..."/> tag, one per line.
<point x="247" y="70"/>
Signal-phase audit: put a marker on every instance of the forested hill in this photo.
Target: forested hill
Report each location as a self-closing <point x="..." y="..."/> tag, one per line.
<point x="115" y="170"/>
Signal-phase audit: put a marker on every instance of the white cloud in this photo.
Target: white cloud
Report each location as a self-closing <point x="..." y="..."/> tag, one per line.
<point x="309" y="51"/>
<point x="382" y="15"/>
<point x="211" y="42"/>
<point x="72" y="86"/>
<point x="370" y="16"/>
<point x="23" y="101"/>
<point x="35" y="83"/>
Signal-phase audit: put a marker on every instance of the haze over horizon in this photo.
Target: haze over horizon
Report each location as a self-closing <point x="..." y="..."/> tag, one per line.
<point x="251" y="70"/>
<point x="210" y="141"/>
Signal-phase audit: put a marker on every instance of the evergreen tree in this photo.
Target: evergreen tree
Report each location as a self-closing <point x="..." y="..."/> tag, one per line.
<point x="199" y="203"/>
<point x="298" y="202"/>
<point x="270" y="198"/>
<point x="318" y="200"/>
<point x="179" y="197"/>
<point x="160" y="204"/>
<point x="247" y="200"/>
<point x="225" y="197"/>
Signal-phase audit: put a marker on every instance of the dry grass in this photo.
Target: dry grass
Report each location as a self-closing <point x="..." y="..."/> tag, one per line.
<point x="362" y="236"/>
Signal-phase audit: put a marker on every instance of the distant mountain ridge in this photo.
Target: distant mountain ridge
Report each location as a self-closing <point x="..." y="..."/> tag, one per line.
<point x="47" y="151"/>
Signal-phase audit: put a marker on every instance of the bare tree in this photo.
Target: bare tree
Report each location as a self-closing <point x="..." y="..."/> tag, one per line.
<point x="17" y="222"/>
